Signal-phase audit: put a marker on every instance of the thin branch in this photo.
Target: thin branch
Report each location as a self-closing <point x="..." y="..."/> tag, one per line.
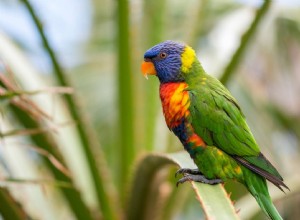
<point x="16" y="181"/>
<point x="55" y="90"/>
<point x="245" y="41"/>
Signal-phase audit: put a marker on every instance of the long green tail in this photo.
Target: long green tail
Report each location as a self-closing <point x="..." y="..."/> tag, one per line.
<point x="257" y="186"/>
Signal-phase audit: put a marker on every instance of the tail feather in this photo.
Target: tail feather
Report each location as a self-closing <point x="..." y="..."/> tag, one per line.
<point x="277" y="181"/>
<point x="269" y="208"/>
<point x="257" y="186"/>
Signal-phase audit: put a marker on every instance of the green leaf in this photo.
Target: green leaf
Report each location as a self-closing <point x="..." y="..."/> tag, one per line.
<point x="213" y="199"/>
<point x="153" y="33"/>
<point x="85" y="133"/>
<point x="125" y="96"/>
<point x="245" y="41"/>
<point x="9" y="208"/>
<point x="21" y="67"/>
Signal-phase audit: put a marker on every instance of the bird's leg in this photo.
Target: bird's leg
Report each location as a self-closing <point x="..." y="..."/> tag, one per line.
<point x="188" y="171"/>
<point x="198" y="178"/>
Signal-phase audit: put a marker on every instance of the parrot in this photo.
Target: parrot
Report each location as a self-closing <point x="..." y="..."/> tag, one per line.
<point x="210" y="124"/>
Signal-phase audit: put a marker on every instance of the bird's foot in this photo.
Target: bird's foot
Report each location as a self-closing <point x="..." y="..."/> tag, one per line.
<point x="188" y="171"/>
<point x="198" y="178"/>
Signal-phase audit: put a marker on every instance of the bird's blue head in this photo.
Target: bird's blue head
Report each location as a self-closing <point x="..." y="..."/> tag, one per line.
<point x="169" y="61"/>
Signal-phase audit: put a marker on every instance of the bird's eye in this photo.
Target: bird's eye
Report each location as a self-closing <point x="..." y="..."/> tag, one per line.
<point x="162" y="55"/>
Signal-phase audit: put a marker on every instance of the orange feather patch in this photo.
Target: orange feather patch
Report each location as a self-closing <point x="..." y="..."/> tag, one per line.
<point x="175" y="102"/>
<point x="196" y="140"/>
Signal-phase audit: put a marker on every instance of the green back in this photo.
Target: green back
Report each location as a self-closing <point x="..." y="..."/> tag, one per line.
<point x="217" y="118"/>
<point x="219" y="121"/>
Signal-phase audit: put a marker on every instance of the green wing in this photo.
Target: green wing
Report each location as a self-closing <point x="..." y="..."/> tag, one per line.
<point x="218" y="120"/>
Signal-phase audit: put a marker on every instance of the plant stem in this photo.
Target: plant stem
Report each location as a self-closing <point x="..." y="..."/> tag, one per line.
<point x="9" y="208"/>
<point x="125" y="96"/>
<point x="88" y="142"/>
<point x="153" y="32"/>
<point x="245" y="41"/>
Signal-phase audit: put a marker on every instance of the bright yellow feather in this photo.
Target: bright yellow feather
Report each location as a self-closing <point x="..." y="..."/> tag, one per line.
<point x="187" y="59"/>
<point x="238" y="170"/>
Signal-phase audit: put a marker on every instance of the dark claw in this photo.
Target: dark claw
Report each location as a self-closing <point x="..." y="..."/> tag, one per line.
<point x="198" y="178"/>
<point x="188" y="171"/>
<point x="183" y="180"/>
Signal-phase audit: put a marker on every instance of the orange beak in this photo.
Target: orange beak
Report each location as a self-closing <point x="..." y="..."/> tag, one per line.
<point x="148" y="68"/>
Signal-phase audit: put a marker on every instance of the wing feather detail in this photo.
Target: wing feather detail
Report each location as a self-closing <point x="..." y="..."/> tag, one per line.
<point x="275" y="179"/>
<point x="218" y="120"/>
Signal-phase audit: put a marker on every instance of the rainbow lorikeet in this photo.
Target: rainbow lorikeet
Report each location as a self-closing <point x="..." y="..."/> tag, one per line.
<point x="206" y="118"/>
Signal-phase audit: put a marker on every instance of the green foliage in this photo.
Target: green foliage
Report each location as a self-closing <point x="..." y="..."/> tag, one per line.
<point x="144" y="180"/>
<point x="236" y="58"/>
<point x="9" y="208"/>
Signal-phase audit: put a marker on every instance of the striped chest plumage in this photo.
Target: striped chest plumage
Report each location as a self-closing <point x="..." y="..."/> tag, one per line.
<point x="175" y="102"/>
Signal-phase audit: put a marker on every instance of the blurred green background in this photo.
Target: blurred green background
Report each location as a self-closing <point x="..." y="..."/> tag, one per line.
<point x="83" y="155"/>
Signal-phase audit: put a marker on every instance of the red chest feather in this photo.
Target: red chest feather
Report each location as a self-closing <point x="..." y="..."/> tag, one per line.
<point x="175" y="102"/>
